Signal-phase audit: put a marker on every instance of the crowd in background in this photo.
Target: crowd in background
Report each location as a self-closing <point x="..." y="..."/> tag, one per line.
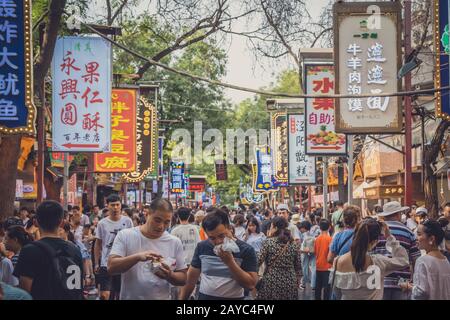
<point x="221" y="253"/>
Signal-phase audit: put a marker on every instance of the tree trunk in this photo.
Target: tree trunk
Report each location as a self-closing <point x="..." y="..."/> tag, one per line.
<point x="9" y="156"/>
<point x="431" y="154"/>
<point x="431" y="193"/>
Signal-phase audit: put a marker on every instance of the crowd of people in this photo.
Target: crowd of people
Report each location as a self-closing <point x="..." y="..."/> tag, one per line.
<point x="160" y="253"/>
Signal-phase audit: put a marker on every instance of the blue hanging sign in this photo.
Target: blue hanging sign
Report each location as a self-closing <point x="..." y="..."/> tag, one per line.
<point x="177" y="178"/>
<point x="442" y="51"/>
<point x="17" y="112"/>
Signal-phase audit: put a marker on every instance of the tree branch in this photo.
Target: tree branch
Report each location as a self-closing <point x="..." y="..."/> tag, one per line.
<point x="109" y="12"/>
<point x="44" y="60"/>
<point x="320" y="35"/>
<point x="212" y="22"/>
<point x="119" y="10"/>
<point x="277" y="31"/>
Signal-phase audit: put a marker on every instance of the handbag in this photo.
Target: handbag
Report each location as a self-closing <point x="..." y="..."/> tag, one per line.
<point x="259" y="284"/>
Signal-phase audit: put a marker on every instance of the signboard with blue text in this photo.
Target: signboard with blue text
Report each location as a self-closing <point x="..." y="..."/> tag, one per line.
<point x="442" y="50"/>
<point x="17" y="112"/>
<point x="263" y="179"/>
<point x="177" y="178"/>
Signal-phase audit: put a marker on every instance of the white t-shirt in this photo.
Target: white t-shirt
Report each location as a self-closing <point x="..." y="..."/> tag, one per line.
<point x="139" y="283"/>
<point x="6" y="272"/>
<point x="295" y="233"/>
<point x="107" y="231"/>
<point x="239" y="232"/>
<point x="84" y="220"/>
<point x="78" y="233"/>
<point x="189" y="236"/>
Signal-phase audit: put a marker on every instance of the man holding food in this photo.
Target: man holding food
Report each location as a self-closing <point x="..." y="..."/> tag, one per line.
<point x="148" y="257"/>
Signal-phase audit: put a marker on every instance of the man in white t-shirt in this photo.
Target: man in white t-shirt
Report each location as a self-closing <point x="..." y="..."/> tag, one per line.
<point x="76" y="226"/>
<point x="107" y="230"/>
<point x="84" y="219"/>
<point x="187" y="233"/>
<point x="148" y="257"/>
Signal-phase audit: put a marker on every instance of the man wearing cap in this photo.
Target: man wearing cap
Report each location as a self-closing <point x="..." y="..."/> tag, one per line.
<point x="391" y="214"/>
<point x="422" y="214"/>
<point x="283" y="211"/>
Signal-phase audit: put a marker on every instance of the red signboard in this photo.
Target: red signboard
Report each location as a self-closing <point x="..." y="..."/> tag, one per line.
<point x="221" y="170"/>
<point x="122" y="157"/>
<point x="196" y="187"/>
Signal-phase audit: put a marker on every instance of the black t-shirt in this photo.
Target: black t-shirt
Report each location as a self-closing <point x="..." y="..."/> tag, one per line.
<point x="36" y="264"/>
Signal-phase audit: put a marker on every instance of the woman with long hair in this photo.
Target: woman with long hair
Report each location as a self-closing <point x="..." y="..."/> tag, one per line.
<point x="431" y="280"/>
<point x="281" y="255"/>
<point x="239" y="229"/>
<point x="358" y="274"/>
<point x="253" y="235"/>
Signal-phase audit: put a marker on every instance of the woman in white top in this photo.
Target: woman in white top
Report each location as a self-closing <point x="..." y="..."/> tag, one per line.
<point x="431" y="280"/>
<point x="239" y="229"/>
<point x="359" y="275"/>
<point x="411" y="220"/>
<point x="254" y="236"/>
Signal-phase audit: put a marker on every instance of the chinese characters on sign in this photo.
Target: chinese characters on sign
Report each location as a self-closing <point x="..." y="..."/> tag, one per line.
<point x="146" y="141"/>
<point x="367" y="61"/>
<point x="384" y="192"/>
<point x="81" y="72"/>
<point x="17" y="111"/>
<point x="279" y="148"/>
<point x="320" y="126"/>
<point x="221" y="170"/>
<point x="262" y="171"/>
<point x="177" y="178"/>
<point x="442" y="50"/>
<point x="122" y="157"/>
<point x="302" y="168"/>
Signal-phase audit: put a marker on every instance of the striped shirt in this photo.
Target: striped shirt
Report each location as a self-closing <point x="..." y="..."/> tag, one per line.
<point x="408" y="241"/>
<point x="14" y="259"/>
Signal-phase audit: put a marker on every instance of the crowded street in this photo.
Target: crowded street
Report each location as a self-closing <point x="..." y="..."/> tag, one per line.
<point x="223" y="150"/>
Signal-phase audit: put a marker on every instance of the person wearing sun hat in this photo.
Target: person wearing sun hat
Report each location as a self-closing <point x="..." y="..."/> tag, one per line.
<point x="391" y="214"/>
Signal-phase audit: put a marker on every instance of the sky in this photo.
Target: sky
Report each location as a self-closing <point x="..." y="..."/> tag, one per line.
<point x="243" y="69"/>
<point x="241" y="61"/>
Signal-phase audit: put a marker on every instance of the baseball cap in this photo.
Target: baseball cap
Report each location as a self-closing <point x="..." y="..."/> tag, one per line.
<point x="422" y="211"/>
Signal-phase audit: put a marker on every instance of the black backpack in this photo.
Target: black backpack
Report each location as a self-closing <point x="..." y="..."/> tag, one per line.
<point x="63" y="270"/>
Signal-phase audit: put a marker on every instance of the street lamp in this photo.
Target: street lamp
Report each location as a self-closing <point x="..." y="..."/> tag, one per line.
<point x="411" y="63"/>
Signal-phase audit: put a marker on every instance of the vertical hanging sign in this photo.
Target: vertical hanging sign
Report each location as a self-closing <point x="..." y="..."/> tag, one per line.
<point x="367" y="50"/>
<point x="177" y="178"/>
<point x="279" y="148"/>
<point x="146" y="141"/>
<point x="81" y="113"/>
<point x="321" y="138"/>
<point x="122" y="157"/>
<point x="17" y="112"/>
<point x="302" y="168"/>
<point x="442" y="51"/>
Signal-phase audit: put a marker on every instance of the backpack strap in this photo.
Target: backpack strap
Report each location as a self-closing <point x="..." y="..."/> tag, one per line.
<point x="344" y="243"/>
